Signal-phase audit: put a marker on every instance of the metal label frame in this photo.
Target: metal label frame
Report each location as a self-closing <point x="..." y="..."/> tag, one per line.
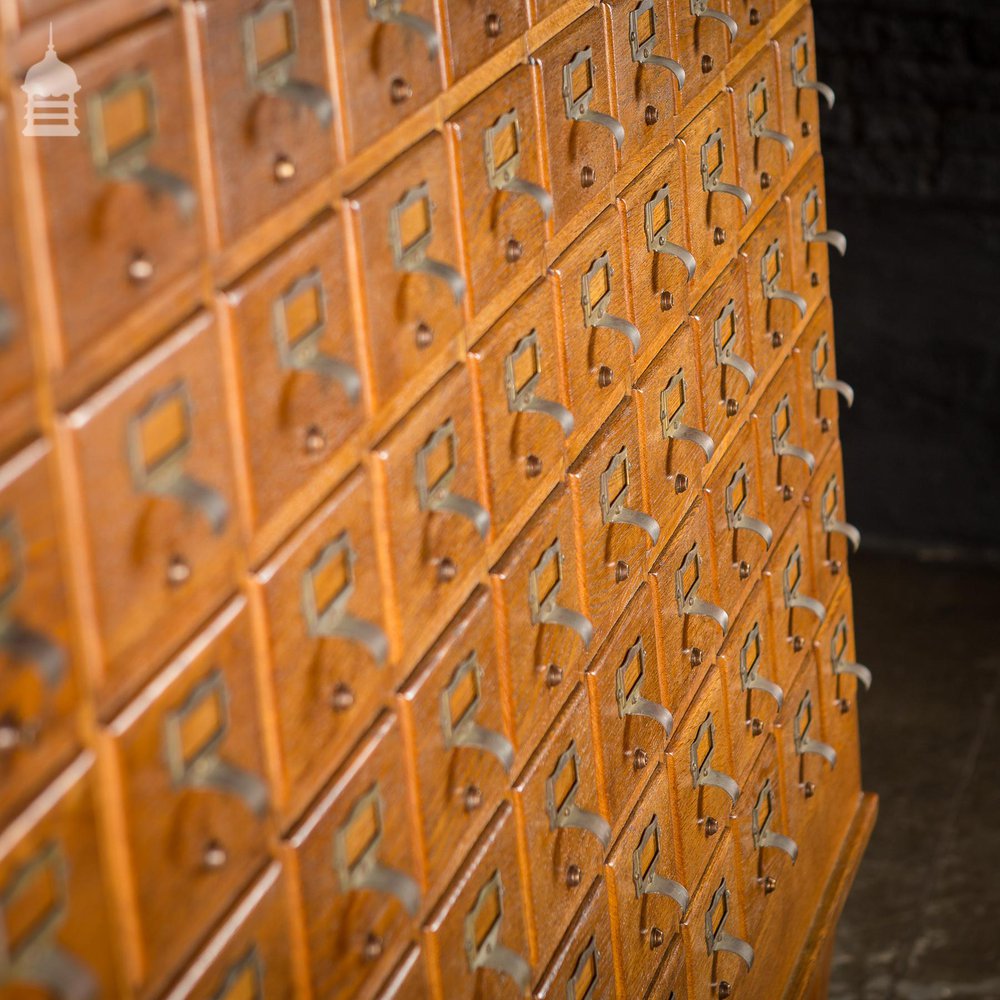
<point x="276" y="73"/>
<point x="166" y="468"/>
<point x="411" y="256"/>
<point x="298" y="353"/>
<point x="611" y="508"/>
<point x="128" y="160"/>
<point x="519" y="396"/>
<point x="593" y="313"/>
<point x="540" y="606"/>
<point x="450" y="726"/>
<point x="499" y="175"/>
<point x="336" y="606"/>
<point x="577" y="107"/>
<point x="431" y="494"/>
<point x="213" y="685"/>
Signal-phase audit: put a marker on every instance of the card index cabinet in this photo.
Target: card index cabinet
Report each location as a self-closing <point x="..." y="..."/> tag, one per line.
<point x="424" y="552"/>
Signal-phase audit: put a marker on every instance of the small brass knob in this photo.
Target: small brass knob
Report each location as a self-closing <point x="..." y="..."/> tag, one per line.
<point x="809" y="789"/>
<point x="214" y="856"/>
<point x="707" y="63"/>
<point x="178" y="571"/>
<point x="605" y="376"/>
<point x="574" y="876"/>
<point x="711" y="826"/>
<point x="719" y="236"/>
<point x="666" y="301"/>
<point x="342" y="698"/>
<point x="446" y="571"/>
<point x="621" y="571"/>
<point x="756" y="727"/>
<point x="732" y="407"/>
<point x="770" y="884"/>
<point x="655" y="937"/>
<point x="639" y="759"/>
<point x="696" y="656"/>
<point x="399" y="90"/>
<point x="472" y="798"/>
<point x="553" y="675"/>
<point x="587" y="177"/>
<point x="744" y="570"/>
<point x="652" y="116"/>
<point x="284" y="169"/>
<point x="493" y="25"/>
<point x="533" y="466"/>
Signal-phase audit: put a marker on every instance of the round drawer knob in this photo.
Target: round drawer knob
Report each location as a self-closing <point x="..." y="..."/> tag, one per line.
<point x="446" y="571"/>
<point x="399" y="90"/>
<point x="719" y="236"/>
<point x="178" y="571"/>
<point x="140" y="269"/>
<point x="756" y="727"/>
<point x="666" y="301"/>
<point x="697" y="656"/>
<point x="655" y="937"/>
<point x="342" y="698"/>
<point x="809" y="789"/>
<point x="639" y="758"/>
<point x="587" y="177"/>
<point x="374" y="946"/>
<point x="533" y="466"/>
<point x="744" y="570"/>
<point x="514" y="251"/>
<point x="711" y="826"/>
<point x="284" y="169"/>
<point x="652" y="116"/>
<point x="680" y="483"/>
<point x="215" y="855"/>
<point x="472" y="799"/>
<point x="553" y="675"/>
<point x="574" y="876"/>
<point x="732" y="407"/>
<point x="605" y="376"/>
<point x="494" y="25"/>
<point x="315" y="440"/>
<point x="621" y="571"/>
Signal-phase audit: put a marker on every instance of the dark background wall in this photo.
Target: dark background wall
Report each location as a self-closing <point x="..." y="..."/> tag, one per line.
<point x="912" y="153"/>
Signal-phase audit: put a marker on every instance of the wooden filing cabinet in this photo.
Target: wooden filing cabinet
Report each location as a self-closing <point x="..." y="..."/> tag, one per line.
<point x="423" y="533"/>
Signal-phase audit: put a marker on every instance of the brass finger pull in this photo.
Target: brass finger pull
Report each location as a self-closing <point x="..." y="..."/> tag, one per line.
<point x="761" y="818"/>
<point x="576" y="99"/>
<point x="359" y="867"/>
<point x="272" y="72"/>
<point x="643" y="42"/>
<point x="646" y="879"/>
<point x="713" y="150"/>
<point x="327" y="588"/>
<point x="804" y="743"/>
<point x="700" y="8"/>
<point x="810" y="225"/>
<point x="657" y="218"/>
<point x="501" y="175"/>
<point x="819" y="361"/>
<point x="391" y="12"/>
<point x="629" y="679"/>
<point x="32" y="955"/>
<point x="613" y="509"/>
<point x="672" y="417"/>
<point x="437" y="496"/>
<point x="770" y="275"/>
<point x="838" y="656"/>
<point x="737" y="498"/>
<point x="758" y="110"/>
<point x="158" y="440"/>
<point x="595" y="313"/>
<point x="522" y="396"/>
<point x="725" y="349"/>
<point x="781" y="428"/>
<point x="547" y="575"/>
<point x="687" y="580"/>
<point x="483" y="947"/>
<point x="121" y="152"/>
<point x="465" y="731"/>
<point x="562" y="808"/>
<point x="801" y="61"/>
<point x="717" y="938"/>
<point x="202" y="766"/>
<point x="411" y="229"/>
<point x="832" y="525"/>
<point x="702" y="772"/>
<point x="751" y="660"/>
<point x="792" y="580"/>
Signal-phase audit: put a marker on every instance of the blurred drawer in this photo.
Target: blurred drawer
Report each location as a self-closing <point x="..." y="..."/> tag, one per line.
<point x="250" y="956"/>
<point x="504" y="201"/>
<point x="583" y="964"/>
<point x="562" y="829"/>
<point x="721" y="322"/>
<point x="576" y="109"/>
<point x="453" y="719"/>
<point x="692" y="622"/>
<point x="192" y="803"/>
<point x="819" y="383"/>
<point x="408" y="981"/>
<point x="538" y="593"/>
<point x="322" y="610"/>
<point x="154" y="479"/>
<point x="477" y="937"/>
<point x="429" y="488"/>
<point x="356" y="865"/>
<point x="123" y="198"/>
<point x="716" y="204"/>
<point x="267" y="88"/>
<point x="642" y="873"/>
<point x="53" y="902"/>
<point x="38" y="675"/>
<point x="478" y="29"/>
<point x="297" y="366"/>
<point x="598" y="339"/>
<point x="525" y="420"/>
<point x="701" y="43"/>
<point x="669" y="409"/>
<point x="405" y="225"/>
<point x="701" y="769"/>
<point x="800" y="85"/>
<point x="753" y="18"/>
<point x="390" y="61"/>
<point x="631" y="723"/>
<point x="671" y="979"/>
<point x="660" y="265"/>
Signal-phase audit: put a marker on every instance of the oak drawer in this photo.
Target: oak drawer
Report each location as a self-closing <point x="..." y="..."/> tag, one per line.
<point x="478" y="29"/>
<point x="801" y="87"/>
<point x="701" y="45"/>
<point x="671" y="979"/>
<point x="753" y="18"/>
<point x="818" y="381"/>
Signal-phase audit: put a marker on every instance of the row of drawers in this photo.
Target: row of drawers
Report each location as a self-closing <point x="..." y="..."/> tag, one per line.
<point x="436" y="235"/>
<point x="612" y="788"/>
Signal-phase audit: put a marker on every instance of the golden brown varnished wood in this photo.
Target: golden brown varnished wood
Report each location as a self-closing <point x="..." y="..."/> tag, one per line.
<point x="827" y="518"/>
<point x="478" y="29"/>
<point x="800" y="107"/>
<point x="810" y="259"/>
<point x="671" y="979"/>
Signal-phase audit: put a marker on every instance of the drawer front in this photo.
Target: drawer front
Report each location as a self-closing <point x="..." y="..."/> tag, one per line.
<point x="583" y="966"/>
<point x="124" y="198"/>
<point x="739" y="526"/>
<point x="692" y="622"/>
<point x="250" y="956"/>
<point x="722" y="324"/>
<point x="811" y="237"/>
<point x="298" y="370"/>
<point x="38" y="670"/>
<point x="562" y="828"/>
<point x="748" y="660"/>
<point x="643" y="877"/>
<point x="716" y="203"/>
<point x="405" y="224"/>
<point x="832" y="535"/>
<point x="763" y="148"/>
<point x="505" y="197"/>
<point x="630" y="718"/>
<point x="796" y="613"/>
<point x="646" y="76"/>
<point x="538" y="590"/>
<point x="786" y="464"/>
<point x="671" y="429"/>
<point x="269" y="104"/>
<point x="408" y="981"/>
<point x="191" y="744"/>
<point x="576" y="107"/>
<point x="701" y="769"/>
<point x="154" y="477"/>
<point x="822" y="391"/>
<point x="753" y="17"/>
<point x="356" y="866"/>
<point x="525" y="417"/>
<point x="430" y="490"/>
<point x="477" y="937"/>
<point x="719" y="953"/>
<point x="701" y="45"/>
<point x="478" y="29"/>
<point x="801" y="86"/>
<point x="391" y="64"/>
<point x="53" y="904"/>
<point x="454" y="723"/>
<point x="327" y="650"/>
<point x="660" y="264"/>
<point x="617" y="531"/>
<point x="671" y="982"/>
<point x="776" y="308"/>
<point x="598" y="338"/>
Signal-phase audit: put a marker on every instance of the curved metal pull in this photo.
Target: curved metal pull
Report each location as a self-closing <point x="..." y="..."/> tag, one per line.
<point x="596" y="313"/>
<point x="326" y="366"/>
<point x="781" y="843"/>
<point x="686" y="595"/>
<point x="56" y="971"/>
<point x="642" y="51"/>
<point x="744" y="521"/>
<point x="697" y="437"/>
<point x="471" y="734"/>
<point x="725" y="353"/>
<point x="505" y="960"/>
<point x="758" y="683"/>
<point x="578" y="107"/>
<point x="834" y="237"/>
<point x="443" y="272"/>
<point x="195" y="495"/>
<point x="670" y="65"/>
<point x="711" y="177"/>
<point x="662" y="245"/>
<point x="25" y="645"/>
<point x="808" y="745"/>
<point x="832" y="526"/>
<point x="793" y="599"/>
<point x="612" y="124"/>
<point x="555" y="614"/>
<point x="391" y="12"/>
<point x="724" y="941"/>
<point x="502" y="176"/>
<point x="771" y="260"/>
<point x="219" y="775"/>
<point x="660" y="885"/>
<point x="574" y="816"/>
<point x="737" y="517"/>
<point x="622" y="326"/>
<point x="520" y="186"/>
<point x="544" y="608"/>
<point x="717" y="938"/>
<point x="719" y="780"/>
<point x="779" y="137"/>
<point x="392" y="882"/>
<point x="763" y="835"/>
<point x="757" y="115"/>
<point x="464" y="507"/>
<point x="800" y="66"/>
<point x="822" y="88"/>
<point x="838" y="656"/>
<point x="550" y="408"/>
<point x="734" y="361"/>
<point x="567" y="813"/>
<point x="722" y="187"/>
<point x="466" y="731"/>
<point x="658" y="209"/>
<point x="629" y="695"/>
<point x="837" y="385"/>
<point x="782" y="293"/>
<point x="487" y="952"/>
<point x="315" y="99"/>
<point x="750" y="664"/>
<point x="625" y="515"/>
<point x="700" y="8"/>
<point x="786" y="450"/>
<point x="804" y="743"/>
<point x="163" y="183"/>
<point x="781" y="426"/>
<point x="797" y="600"/>
<point x="818" y="362"/>
<point x="671" y="421"/>
<point x="858" y="670"/>
<point x="647" y="880"/>
<point x="613" y="509"/>
<point x="522" y="398"/>
<point x="437" y="496"/>
<point x="335" y="623"/>
<point x="702" y="772"/>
